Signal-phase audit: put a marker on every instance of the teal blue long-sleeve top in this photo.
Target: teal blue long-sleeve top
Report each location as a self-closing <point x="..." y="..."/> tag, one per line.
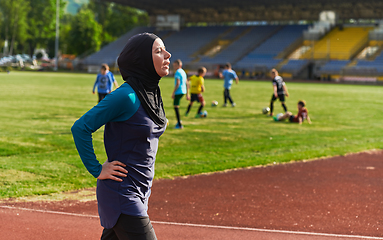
<point x="118" y="106"/>
<point x="130" y="137"/>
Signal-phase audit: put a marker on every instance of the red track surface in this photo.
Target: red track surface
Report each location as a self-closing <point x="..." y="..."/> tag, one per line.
<point x="335" y="198"/>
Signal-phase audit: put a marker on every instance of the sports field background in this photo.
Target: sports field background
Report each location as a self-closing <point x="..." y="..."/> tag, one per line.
<point x="38" y="156"/>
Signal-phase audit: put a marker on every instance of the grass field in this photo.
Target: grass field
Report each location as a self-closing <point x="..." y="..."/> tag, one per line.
<point x="38" y="156"/>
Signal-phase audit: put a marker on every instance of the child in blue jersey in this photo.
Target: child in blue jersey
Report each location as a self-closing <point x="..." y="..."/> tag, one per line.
<point x="179" y="91"/>
<point x="104" y="82"/>
<point x="228" y="75"/>
<point x="134" y="119"/>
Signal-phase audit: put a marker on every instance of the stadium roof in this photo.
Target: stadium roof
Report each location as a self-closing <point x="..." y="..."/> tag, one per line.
<point x="257" y="10"/>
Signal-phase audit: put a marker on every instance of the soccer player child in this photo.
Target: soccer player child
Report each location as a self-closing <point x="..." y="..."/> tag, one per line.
<point x="180" y="89"/>
<point x="228" y="75"/>
<point x="279" y="91"/>
<point x="303" y="114"/>
<point x="104" y="82"/>
<point x="196" y="85"/>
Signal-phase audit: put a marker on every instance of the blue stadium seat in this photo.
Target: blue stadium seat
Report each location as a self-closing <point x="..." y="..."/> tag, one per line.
<point x="294" y="66"/>
<point x="333" y="67"/>
<point x="241" y="46"/>
<point x="264" y="55"/>
<point x="376" y="64"/>
<point x="188" y="41"/>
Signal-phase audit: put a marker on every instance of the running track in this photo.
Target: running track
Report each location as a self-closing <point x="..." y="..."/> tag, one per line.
<point x="334" y="198"/>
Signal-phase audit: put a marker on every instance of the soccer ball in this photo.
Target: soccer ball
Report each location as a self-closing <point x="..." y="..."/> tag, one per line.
<point x="214" y="103"/>
<point x="265" y="110"/>
<point x="204" y="114"/>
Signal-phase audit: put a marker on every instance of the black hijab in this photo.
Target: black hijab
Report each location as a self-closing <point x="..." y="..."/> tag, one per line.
<point x="137" y="69"/>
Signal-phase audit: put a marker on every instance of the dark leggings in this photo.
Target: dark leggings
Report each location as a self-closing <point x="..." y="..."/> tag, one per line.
<point x="101" y="96"/>
<point x="281" y="99"/>
<point x="227" y="96"/>
<point x="130" y="228"/>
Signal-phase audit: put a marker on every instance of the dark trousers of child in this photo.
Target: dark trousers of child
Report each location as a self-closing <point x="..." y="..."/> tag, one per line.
<point x="177" y="111"/>
<point x="226" y="95"/>
<point x="199" y="109"/>
<point x="101" y="96"/>
<point x="272" y="106"/>
<point x="130" y="228"/>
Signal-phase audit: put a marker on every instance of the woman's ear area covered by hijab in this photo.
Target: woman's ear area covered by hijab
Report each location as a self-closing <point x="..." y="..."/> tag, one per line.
<point x="136" y="60"/>
<point x="161" y="58"/>
<point x="136" y="64"/>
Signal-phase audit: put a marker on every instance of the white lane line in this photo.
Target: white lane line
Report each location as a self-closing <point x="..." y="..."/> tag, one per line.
<point x="48" y="211"/>
<point x="268" y="230"/>
<point x="206" y="226"/>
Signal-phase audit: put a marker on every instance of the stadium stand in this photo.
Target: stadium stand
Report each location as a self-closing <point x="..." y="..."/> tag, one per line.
<point x="265" y="54"/>
<point x="191" y="43"/>
<point x="258" y="48"/>
<point x="375" y="65"/>
<point x="255" y="37"/>
<point x="183" y="44"/>
<point x="110" y="52"/>
<point x="342" y="43"/>
<point x="187" y="43"/>
<point x="333" y="67"/>
<point x="294" y="66"/>
<point x="237" y="41"/>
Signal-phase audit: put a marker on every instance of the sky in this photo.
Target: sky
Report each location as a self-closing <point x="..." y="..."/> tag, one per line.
<point x="73" y="5"/>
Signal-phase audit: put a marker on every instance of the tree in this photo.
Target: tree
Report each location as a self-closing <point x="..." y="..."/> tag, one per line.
<point x="116" y="19"/>
<point x="42" y="23"/>
<point x="1" y="38"/>
<point x="122" y="19"/>
<point x="14" y="21"/>
<point x="100" y="9"/>
<point x="65" y="28"/>
<point x="85" y="33"/>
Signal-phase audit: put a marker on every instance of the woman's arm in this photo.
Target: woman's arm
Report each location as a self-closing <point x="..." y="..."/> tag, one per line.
<point x="187" y="89"/>
<point x="308" y="119"/>
<point x="286" y="91"/>
<point x="120" y="105"/>
<point x="95" y="85"/>
<point x="275" y="90"/>
<point x="178" y="82"/>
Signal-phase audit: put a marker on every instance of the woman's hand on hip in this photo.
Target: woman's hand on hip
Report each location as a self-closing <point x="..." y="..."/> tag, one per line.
<point x="113" y="170"/>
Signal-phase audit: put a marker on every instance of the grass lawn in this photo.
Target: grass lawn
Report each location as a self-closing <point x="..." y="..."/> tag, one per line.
<point x="38" y="156"/>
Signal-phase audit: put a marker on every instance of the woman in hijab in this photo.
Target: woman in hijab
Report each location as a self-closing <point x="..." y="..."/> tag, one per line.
<point x="134" y="119"/>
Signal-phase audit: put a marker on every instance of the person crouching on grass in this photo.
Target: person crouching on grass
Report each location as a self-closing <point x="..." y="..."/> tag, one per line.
<point x="303" y="114"/>
<point x="196" y="85"/>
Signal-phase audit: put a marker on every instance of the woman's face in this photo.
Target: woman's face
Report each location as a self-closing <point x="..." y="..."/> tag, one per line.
<point x="160" y="58"/>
